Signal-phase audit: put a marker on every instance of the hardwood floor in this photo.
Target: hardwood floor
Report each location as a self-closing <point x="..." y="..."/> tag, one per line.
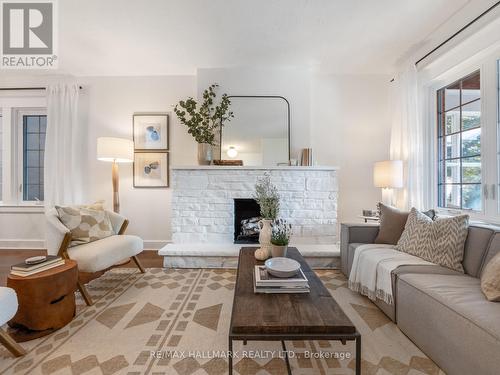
<point x="148" y="259"/>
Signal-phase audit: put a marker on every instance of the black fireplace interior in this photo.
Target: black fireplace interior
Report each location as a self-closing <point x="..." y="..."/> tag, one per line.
<point x="246" y="221"/>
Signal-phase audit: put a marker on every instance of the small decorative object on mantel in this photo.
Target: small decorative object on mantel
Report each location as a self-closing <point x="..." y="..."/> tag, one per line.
<point x="280" y="236"/>
<point x="268" y="198"/>
<point x="238" y="163"/>
<point x="206" y="121"/>
<point x="306" y="157"/>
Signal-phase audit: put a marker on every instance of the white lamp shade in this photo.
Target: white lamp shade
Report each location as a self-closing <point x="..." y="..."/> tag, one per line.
<point x="119" y="150"/>
<point x="388" y="174"/>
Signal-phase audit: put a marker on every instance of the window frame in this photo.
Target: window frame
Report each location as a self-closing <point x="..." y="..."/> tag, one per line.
<point x="19" y="137"/>
<point x="442" y="158"/>
<point x="442" y="74"/>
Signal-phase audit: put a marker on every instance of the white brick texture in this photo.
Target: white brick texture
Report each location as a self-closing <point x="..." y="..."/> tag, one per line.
<point x="203" y="203"/>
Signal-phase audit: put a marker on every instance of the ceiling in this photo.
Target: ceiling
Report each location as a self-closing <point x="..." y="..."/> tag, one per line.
<point x="158" y="37"/>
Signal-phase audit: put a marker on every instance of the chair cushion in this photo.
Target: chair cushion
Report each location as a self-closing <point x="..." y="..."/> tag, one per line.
<point x="8" y="304"/>
<point x="99" y="255"/>
<point x="85" y="224"/>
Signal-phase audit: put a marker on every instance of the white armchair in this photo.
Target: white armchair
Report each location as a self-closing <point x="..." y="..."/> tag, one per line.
<point x="97" y="255"/>
<point x="8" y="308"/>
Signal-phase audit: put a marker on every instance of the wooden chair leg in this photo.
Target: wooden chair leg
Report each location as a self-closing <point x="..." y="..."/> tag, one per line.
<point x="85" y="294"/>
<point x="138" y="264"/>
<point x="10" y="344"/>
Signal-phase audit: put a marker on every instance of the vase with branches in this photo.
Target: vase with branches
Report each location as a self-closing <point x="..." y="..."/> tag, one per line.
<point x="205" y="120"/>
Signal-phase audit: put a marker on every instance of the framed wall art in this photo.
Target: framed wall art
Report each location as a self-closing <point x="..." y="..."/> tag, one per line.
<point x="151" y="169"/>
<point x="151" y="131"/>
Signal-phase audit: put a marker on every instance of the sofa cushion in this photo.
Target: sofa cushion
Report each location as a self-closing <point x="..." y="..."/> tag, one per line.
<point x="99" y="255"/>
<point x="462" y="294"/>
<point x="8" y="304"/>
<point x="476" y="247"/>
<point x="490" y="279"/>
<point x="85" y="224"/>
<point x="441" y="241"/>
<point x="451" y="321"/>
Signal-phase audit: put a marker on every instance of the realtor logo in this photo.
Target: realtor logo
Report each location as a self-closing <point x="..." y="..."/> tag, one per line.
<point x="28" y="34"/>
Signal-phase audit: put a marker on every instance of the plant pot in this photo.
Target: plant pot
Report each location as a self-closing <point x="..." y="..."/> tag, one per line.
<point x="265" y="235"/>
<point x="278" y="251"/>
<point x="205" y="154"/>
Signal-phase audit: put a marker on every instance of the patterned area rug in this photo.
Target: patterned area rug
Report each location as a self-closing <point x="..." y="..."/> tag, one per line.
<point x="176" y="322"/>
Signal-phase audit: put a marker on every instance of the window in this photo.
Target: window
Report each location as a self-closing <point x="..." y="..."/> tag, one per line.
<point x="459" y="143"/>
<point x="33" y="130"/>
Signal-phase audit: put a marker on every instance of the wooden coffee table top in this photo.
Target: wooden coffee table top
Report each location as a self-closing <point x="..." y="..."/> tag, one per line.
<point x="285" y="314"/>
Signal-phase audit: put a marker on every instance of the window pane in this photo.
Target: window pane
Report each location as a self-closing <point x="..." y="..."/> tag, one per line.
<point x="471" y="142"/>
<point x="32" y="124"/>
<point x="471" y="170"/>
<point x="452" y="96"/>
<point x="471" y="88"/>
<point x="471" y="197"/>
<point x="453" y="196"/>
<point x="33" y="146"/>
<point x="452" y="172"/>
<point x="452" y="121"/>
<point x="471" y="115"/>
<point x="452" y="146"/>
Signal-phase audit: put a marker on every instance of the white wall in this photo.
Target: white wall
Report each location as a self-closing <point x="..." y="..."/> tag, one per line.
<point x="110" y="103"/>
<point x="292" y="83"/>
<point x="351" y="129"/>
<point x="344" y="118"/>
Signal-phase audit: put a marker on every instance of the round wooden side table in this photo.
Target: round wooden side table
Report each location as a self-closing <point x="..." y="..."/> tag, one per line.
<point x="46" y="301"/>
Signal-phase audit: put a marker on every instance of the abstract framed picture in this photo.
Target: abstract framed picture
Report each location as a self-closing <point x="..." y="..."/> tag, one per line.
<point x="151" y="132"/>
<point x="151" y="170"/>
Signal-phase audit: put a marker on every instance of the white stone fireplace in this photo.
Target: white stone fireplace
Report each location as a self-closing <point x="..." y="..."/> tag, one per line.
<point x="203" y="211"/>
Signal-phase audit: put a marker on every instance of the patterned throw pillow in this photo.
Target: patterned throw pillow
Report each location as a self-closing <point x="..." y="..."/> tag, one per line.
<point x="85" y="224"/>
<point x="490" y="279"/>
<point x="441" y="241"/>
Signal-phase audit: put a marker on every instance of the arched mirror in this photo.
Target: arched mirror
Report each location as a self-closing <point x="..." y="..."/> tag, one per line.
<point x="259" y="133"/>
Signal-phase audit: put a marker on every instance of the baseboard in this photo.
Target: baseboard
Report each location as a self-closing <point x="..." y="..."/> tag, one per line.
<point x="9" y="244"/>
<point x="155" y="244"/>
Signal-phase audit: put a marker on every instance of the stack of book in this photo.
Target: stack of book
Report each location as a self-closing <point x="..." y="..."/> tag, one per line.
<point x="23" y="269"/>
<point x="264" y="282"/>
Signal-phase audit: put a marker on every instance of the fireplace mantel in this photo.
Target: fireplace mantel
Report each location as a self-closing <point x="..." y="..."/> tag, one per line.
<point x="270" y="168"/>
<point x="203" y="211"/>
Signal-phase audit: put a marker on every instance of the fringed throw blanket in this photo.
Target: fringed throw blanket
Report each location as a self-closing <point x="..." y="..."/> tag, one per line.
<point x="371" y="270"/>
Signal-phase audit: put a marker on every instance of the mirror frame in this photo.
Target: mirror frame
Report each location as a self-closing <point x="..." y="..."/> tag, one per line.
<point x="260" y="97"/>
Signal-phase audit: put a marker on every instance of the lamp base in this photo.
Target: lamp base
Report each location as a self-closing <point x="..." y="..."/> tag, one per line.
<point x="388" y="196"/>
<point x="116" y="196"/>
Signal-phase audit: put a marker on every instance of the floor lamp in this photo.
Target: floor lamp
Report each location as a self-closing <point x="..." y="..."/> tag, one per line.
<point x="388" y="175"/>
<point x="115" y="150"/>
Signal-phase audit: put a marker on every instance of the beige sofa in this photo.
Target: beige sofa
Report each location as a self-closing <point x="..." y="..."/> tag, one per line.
<point x="442" y="311"/>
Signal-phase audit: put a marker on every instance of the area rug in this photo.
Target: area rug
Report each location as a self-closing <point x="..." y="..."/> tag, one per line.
<point x="176" y="322"/>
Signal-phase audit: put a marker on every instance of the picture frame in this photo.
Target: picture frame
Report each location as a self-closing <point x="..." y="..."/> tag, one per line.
<point x="151" y="169"/>
<point x="151" y="131"/>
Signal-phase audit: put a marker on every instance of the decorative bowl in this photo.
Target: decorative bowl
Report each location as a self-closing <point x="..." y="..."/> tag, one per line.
<point x="282" y="267"/>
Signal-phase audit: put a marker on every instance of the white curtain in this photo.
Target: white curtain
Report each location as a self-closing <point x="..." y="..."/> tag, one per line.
<point x="63" y="146"/>
<point x="410" y="140"/>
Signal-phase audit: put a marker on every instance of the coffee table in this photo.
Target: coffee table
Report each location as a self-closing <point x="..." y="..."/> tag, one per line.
<point x="281" y="317"/>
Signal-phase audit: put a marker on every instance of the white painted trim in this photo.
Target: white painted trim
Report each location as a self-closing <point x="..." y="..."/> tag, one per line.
<point x="9" y="244"/>
<point x="285" y="168"/>
<point x="155" y="244"/>
<point x="22" y="209"/>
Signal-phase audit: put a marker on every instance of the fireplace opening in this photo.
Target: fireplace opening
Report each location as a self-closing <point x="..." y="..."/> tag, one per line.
<point x="246" y="221"/>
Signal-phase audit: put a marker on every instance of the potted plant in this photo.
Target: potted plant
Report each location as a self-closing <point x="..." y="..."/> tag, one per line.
<point x="268" y="198"/>
<point x="280" y="236"/>
<point x="205" y="121"/>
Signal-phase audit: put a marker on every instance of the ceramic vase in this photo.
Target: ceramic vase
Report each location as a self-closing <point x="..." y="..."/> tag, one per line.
<point x="265" y="235"/>
<point x="278" y="251"/>
<point x="205" y="154"/>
